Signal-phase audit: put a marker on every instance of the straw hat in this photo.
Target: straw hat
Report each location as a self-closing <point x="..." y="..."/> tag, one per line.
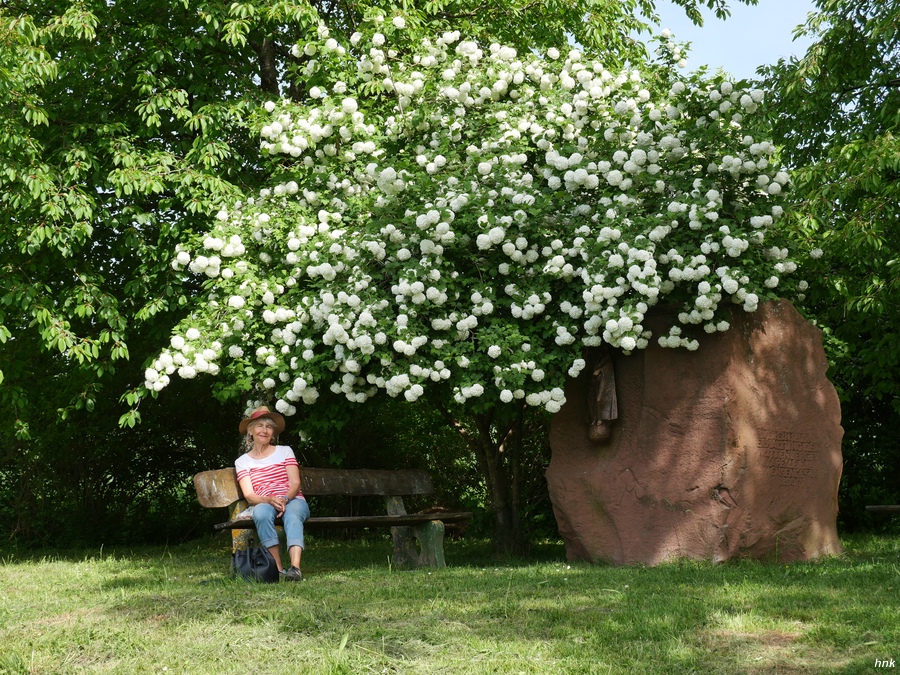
<point x="258" y="414"/>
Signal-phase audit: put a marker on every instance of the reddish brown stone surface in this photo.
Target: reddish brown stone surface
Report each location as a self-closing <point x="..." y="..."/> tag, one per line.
<point x="733" y="450"/>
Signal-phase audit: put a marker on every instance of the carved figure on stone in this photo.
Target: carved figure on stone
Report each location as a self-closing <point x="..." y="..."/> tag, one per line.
<point x="603" y="408"/>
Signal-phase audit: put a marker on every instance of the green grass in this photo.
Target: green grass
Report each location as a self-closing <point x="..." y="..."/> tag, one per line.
<point x="175" y="610"/>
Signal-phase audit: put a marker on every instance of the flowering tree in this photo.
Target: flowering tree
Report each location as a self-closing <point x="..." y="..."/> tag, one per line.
<point x="98" y="188"/>
<point x="460" y="222"/>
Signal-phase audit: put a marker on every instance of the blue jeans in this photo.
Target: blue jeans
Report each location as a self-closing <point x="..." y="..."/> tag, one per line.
<point x="295" y="514"/>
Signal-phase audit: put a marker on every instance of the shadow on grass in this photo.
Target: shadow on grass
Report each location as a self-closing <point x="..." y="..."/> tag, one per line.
<point x="753" y="615"/>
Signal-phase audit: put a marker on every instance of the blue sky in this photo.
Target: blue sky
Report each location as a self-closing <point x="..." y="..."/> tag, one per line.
<point x="750" y="37"/>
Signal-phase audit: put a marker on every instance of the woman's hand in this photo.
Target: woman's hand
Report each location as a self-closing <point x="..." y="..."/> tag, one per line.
<point x="278" y="503"/>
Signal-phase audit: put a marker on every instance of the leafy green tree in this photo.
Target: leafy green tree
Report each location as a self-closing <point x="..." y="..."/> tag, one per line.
<point x="836" y="114"/>
<point x="110" y="152"/>
<point x="836" y="111"/>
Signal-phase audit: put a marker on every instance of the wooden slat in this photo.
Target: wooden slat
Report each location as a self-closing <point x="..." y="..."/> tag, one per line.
<point x="886" y="508"/>
<point x="220" y="488"/>
<point x="361" y="521"/>
<point x="363" y="482"/>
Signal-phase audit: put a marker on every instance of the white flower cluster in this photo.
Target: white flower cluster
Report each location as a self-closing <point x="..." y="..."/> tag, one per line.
<point x="211" y="265"/>
<point x="184" y="359"/>
<point x="500" y="213"/>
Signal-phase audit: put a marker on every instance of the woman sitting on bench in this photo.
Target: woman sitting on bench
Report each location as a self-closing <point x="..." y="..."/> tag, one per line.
<point x="269" y="476"/>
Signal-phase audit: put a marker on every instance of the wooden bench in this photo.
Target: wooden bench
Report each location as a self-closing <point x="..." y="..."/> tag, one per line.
<point x="220" y="488"/>
<point x="886" y="508"/>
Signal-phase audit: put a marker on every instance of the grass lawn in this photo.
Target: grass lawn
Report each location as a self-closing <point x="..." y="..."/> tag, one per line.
<point x="174" y="610"/>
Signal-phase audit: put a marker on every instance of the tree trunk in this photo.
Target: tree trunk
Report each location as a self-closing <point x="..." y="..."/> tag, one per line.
<point x="496" y="450"/>
<point x="268" y="70"/>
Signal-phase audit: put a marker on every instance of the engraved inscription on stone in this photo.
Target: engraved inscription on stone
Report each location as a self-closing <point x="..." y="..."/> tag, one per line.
<point x="788" y="456"/>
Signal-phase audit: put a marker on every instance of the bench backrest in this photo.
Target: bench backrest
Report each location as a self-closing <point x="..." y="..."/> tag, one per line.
<point x="220" y="487"/>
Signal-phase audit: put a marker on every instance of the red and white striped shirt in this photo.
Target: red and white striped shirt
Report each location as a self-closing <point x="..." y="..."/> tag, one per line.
<point x="268" y="475"/>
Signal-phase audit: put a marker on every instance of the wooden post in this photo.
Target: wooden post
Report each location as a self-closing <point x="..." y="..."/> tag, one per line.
<point x="431" y="543"/>
<point x="430" y="537"/>
<point x="240" y="539"/>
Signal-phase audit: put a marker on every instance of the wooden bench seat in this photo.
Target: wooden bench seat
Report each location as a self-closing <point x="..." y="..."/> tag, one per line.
<point x="884" y="508"/>
<point x="219" y="488"/>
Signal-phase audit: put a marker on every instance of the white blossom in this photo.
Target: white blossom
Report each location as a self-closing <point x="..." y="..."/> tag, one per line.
<point x="540" y="197"/>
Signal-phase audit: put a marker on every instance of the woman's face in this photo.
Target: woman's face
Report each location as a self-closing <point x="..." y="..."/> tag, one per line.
<point x="262" y="431"/>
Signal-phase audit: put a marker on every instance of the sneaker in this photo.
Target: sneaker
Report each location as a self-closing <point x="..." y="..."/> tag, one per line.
<point x="293" y="574"/>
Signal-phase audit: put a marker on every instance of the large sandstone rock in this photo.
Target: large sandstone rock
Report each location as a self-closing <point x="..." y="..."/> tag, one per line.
<point x="732" y="450"/>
